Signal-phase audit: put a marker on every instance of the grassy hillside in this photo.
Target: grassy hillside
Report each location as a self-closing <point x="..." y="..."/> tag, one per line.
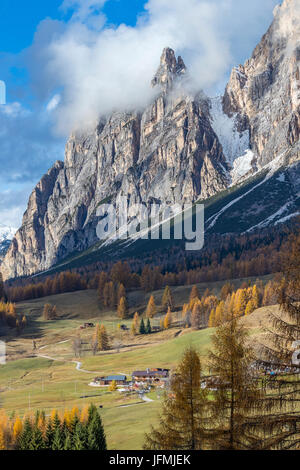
<point x="40" y="383"/>
<point x="49" y="377"/>
<point x="76" y="307"/>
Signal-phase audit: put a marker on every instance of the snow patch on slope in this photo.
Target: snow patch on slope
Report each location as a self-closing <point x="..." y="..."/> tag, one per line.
<point x="287" y="217"/>
<point x="6" y="233"/>
<point x="234" y="143"/>
<point x="279" y="215"/>
<point x="242" y="165"/>
<point x="281" y="178"/>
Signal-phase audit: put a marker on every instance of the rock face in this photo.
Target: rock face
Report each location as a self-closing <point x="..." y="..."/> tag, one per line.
<point x="264" y="93"/>
<point x="167" y="154"/>
<point x="181" y="148"/>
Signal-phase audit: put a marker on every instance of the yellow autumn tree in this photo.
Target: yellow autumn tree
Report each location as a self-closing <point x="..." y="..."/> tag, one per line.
<point x="103" y="344"/>
<point x="67" y="418"/>
<point x="232" y="303"/>
<point x="197" y="317"/>
<point x="53" y="415"/>
<point x="2" y="439"/>
<point x="255" y="297"/>
<point x="4" y="430"/>
<point x="84" y="414"/>
<point x="41" y="424"/>
<point x="113" y="386"/>
<point x="250" y="307"/>
<point x="184" y="310"/>
<point x="151" y="308"/>
<point x="122" y="308"/>
<point x="212" y="319"/>
<point x="219" y="313"/>
<point x="168" y="319"/>
<point x="17" y="428"/>
<point x="74" y="413"/>
<point x="194" y="293"/>
<point x="186" y="315"/>
<point x="193" y="302"/>
<point x="211" y="302"/>
<point x="240" y="302"/>
<point x="132" y="329"/>
<point x="135" y="324"/>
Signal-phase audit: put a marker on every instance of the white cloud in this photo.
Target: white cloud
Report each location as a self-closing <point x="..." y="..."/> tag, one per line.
<point x="288" y="24"/>
<point x="100" y="71"/>
<point x="53" y="103"/>
<point x="12" y="204"/>
<point x="12" y="215"/>
<point x="14" y="109"/>
<point x="85" y="11"/>
<point x="82" y="69"/>
<point x="112" y="69"/>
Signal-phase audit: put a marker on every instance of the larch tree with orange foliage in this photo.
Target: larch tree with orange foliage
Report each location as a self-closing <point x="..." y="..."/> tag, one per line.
<point x="151" y="308"/>
<point x="182" y="423"/>
<point x="122" y="311"/>
<point x="168" y="319"/>
<point x="198" y="315"/>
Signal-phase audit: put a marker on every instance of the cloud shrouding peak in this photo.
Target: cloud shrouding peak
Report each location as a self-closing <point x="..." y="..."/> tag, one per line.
<point x="88" y="11"/>
<point x="287" y="20"/>
<point x="107" y="69"/>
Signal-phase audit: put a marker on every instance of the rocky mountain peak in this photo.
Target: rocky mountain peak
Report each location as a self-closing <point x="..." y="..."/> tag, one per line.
<point x="178" y="149"/>
<point x="286" y="19"/>
<point x="169" y="69"/>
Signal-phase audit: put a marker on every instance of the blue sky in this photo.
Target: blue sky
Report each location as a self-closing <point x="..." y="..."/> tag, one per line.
<point x="54" y="52"/>
<point x="17" y="31"/>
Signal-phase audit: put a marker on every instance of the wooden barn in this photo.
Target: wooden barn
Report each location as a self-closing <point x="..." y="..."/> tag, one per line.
<point x="151" y="375"/>
<point x="119" y="379"/>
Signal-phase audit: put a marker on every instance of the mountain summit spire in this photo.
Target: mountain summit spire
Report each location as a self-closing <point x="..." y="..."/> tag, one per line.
<point x="168" y="70"/>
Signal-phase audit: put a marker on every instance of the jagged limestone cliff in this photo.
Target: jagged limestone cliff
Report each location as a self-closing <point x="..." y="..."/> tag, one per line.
<point x="169" y="153"/>
<point x="181" y="148"/>
<point x="265" y="91"/>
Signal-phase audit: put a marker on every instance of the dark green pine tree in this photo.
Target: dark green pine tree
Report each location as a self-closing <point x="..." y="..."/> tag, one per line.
<point x="49" y="436"/>
<point x="148" y="327"/>
<point x="73" y="425"/>
<point x="80" y="437"/>
<point x="56" y="422"/>
<point x="25" y="437"/>
<point x="64" y="430"/>
<point x="36" y="417"/>
<point x="92" y="412"/>
<point x="96" y="435"/>
<point x="68" y="445"/>
<point x="142" y="327"/>
<point x="37" y="441"/>
<point x="58" y="439"/>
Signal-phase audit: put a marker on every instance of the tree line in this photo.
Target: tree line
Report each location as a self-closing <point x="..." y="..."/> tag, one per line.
<point x="225" y="257"/>
<point x="71" y="431"/>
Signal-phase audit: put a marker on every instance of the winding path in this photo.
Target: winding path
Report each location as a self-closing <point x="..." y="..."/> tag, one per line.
<point x="78" y="364"/>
